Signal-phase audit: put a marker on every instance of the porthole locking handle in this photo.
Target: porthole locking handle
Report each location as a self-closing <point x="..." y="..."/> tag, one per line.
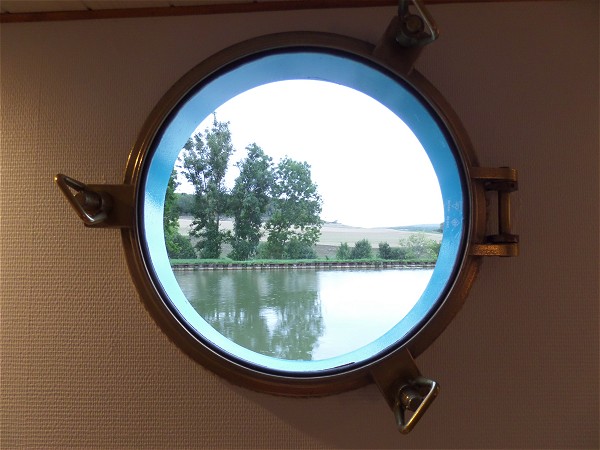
<point x="411" y="30"/>
<point x="103" y="205"/>
<point x="91" y="206"/>
<point x="416" y="396"/>
<point x="408" y="393"/>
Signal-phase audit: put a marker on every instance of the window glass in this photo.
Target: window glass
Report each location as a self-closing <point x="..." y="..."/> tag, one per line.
<point x="345" y="142"/>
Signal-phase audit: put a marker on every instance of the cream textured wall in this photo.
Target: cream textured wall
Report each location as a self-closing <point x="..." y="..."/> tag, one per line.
<point x="83" y="365"/>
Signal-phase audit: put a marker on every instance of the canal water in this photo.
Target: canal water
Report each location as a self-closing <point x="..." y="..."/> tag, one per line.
<point x="304" y="314"/>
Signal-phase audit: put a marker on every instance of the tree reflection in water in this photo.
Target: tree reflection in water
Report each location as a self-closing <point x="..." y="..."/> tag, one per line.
<point x="276" y="313"/>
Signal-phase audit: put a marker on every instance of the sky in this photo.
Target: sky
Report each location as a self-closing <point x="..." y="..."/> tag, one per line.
<point x="369" y="168"/>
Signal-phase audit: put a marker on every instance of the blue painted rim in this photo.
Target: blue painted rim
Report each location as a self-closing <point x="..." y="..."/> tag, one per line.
<point x="291" y="64"/>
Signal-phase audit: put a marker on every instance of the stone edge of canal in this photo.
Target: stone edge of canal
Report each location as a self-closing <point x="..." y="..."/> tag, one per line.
<point x="307" y="265"/>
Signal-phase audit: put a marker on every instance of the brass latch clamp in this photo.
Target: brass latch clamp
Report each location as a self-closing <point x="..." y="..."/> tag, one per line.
<point x="99" y="205"/>
<point x="415" y="30"/>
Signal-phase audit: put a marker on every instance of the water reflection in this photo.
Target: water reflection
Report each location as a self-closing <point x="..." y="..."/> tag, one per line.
<point x="303" y="314"/>
<point x="276" y="313"/>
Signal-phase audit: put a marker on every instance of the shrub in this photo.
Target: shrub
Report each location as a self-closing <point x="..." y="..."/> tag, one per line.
<point x="399" y="254"/>
<point x="385" y="251"/>
<point x="296" y="249"/>
<point x="343" y="251"/>
<point x="420" y="247"/>
<point x="435" y="246"/>
<point x="415" y="247"/>
<point x="393" y="253"/>
<point x="241" y="250"/>
<point x="362" y="250"/>
<point x="262" y="251"/>
<point x="179" y="247"/>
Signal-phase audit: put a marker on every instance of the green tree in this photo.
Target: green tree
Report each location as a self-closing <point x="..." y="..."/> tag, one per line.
<point x="178" y="246"/>
<point x="361" y="250"/>
<point x="182" y="248"/>
<point x="205" y="162"/>
<point x="171" y="216"/>
<point x="294" y="223"/>
<point x="249" y="200"/>
<point x="185" y="203"/>
<point x="170" y="211"/>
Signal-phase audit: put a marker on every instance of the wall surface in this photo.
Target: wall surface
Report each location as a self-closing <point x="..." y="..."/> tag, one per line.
<point x="84" y="365"/>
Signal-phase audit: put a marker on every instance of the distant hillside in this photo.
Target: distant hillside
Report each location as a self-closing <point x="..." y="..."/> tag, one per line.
<point x="426" y="227"/>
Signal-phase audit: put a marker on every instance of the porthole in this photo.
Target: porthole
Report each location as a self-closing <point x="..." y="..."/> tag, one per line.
<point x="383" y="75"/>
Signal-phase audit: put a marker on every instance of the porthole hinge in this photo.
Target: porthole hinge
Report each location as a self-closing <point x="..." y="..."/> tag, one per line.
<point x="99" y="205"/>
<point x="407" y="392"/>
<point x="503" y="181"/>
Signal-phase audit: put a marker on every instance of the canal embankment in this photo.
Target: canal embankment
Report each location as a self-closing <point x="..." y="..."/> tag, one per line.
<point x="316" y="265"/>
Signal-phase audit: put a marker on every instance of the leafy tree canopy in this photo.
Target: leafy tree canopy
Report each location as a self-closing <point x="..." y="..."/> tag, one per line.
<point x="249" y="199"/>
<point x="294" y="221"/>
<point x="178" y="246"/>
<point x="205" y="161"/>
<point x="279" y="200"/>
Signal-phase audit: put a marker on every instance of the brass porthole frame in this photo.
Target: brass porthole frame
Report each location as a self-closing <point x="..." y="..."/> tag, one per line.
<point x="277" y="384"/>
<point x="395" y="373"/>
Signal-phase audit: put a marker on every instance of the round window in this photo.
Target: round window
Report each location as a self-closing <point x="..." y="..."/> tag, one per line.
<point x="308" y="216"/>
<point x="286" y="331"/>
